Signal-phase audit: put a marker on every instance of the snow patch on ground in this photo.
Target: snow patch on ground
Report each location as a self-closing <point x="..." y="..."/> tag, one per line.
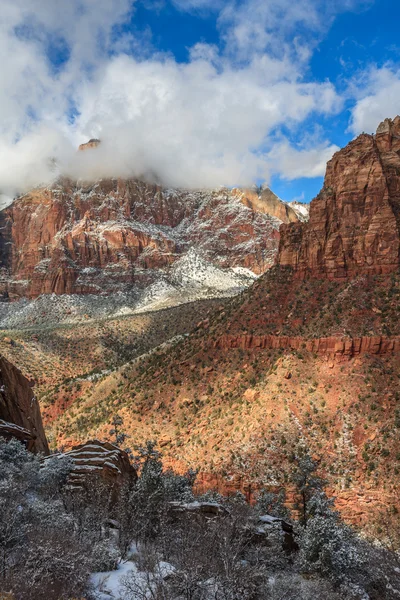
<point x="245" y="272"/>
<point x="194" y="271"/>
<point x="108" y="585"/>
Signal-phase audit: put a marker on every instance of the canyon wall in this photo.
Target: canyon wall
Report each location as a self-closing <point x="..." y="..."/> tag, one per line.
<point x="354" y="224"/>
<point x="333" y="346"/>
<point x="19" y="410"/>
<point x="110" y="235"/>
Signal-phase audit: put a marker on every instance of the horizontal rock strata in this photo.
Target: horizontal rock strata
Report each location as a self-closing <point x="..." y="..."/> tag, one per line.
<point x="10" y="431"/>
<point x="377" y="345"/>
<point x="96" y="458"/>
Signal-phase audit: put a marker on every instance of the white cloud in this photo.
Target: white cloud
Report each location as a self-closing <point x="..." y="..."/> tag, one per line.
<point x="193" y="124"/>
<point x="29" y="161"/>
<point x="292" y="163"/>
<point x="378" y="97"/>
<point x="30" y="90"/>
<point x="280" y="26"/>
<point x="207" y="122"/>
<point x="196" y="5"/>
<point x="258" y="25"/>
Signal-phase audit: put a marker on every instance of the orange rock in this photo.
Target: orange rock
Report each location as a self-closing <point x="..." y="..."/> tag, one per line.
<point x="333" y="347"/>
<point x="93" y="143"/>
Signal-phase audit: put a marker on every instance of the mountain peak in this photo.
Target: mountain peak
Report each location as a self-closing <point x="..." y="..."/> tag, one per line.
<point x="92" y="143"/>
<point x="354" y="225"/>
<point x="264" y="200"/>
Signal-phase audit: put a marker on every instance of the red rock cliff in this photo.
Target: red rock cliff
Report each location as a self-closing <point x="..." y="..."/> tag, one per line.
<point x="354" y="225"/>
<point x="19" y="407"/>
<point x="102" y="237"/>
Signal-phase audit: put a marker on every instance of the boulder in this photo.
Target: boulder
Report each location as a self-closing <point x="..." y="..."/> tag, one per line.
<point x="98" y="459"/>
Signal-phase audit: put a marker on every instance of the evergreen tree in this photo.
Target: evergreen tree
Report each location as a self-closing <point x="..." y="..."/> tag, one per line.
<point x="120" y="436"/>
<point x="270" y="503"/>
<point x="307" y="484"/>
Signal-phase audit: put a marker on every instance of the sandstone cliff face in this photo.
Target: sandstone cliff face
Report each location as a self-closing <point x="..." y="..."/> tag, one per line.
<point x="354" y="225"/>
<point x="332" y="346"/>
<point x="107" y="236"/>
<point x="267" y="202"/>
<point x="19" y="410"/>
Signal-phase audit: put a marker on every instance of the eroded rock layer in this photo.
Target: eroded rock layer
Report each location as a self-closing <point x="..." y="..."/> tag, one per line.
<point x="114" y="234"/>
<point x="354" y="221"/>
<point x="331" y="346"/>
<point x="96" y="458"/>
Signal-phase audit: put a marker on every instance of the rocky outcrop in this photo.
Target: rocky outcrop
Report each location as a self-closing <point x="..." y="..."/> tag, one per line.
<point x="19" y="410"/>
<point x="95" y="458"/>
<point x="114" y="234"/>
<point x="266" y="523"/>
<point x="10" y="431"/>
<point x="354" y="224"/>
<point x="197" y="508"/>
<point x="267" y="202"/>
<point x="93" y="143"/>
<point x="333" y="346"/>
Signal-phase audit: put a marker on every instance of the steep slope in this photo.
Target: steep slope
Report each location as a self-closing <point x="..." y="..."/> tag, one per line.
<point x="68" y="355"/>
<point x="308" y="356"/>
<point x="265" y="201"/>
<point x="123" y="235"/>
<point x="19" y="410"/>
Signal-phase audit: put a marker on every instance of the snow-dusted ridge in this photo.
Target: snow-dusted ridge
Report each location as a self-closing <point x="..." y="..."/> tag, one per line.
<point x="301" y="209"/>
<point x="190" y="278"/>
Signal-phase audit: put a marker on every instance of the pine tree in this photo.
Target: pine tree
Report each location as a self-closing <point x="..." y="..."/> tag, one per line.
<point x="120" y="436"/>
<point x="307" y="484"/>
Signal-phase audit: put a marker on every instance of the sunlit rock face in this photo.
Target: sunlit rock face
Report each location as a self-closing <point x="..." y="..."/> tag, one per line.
<point x="107" y="236"/>
<point x="354" y="225"/>
<point x="93" y="143"/>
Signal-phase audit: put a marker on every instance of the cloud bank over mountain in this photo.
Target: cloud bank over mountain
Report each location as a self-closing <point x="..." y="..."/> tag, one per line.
<point x="226" y="116"/>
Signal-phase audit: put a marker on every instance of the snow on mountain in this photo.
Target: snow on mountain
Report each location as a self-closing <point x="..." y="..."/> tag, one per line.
<point x="191" y="278"/>
<point x="301" y="209"/>
<point x="194" y="271"/>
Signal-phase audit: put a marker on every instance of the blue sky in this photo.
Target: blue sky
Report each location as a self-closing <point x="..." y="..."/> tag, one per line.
<point x="197" y="92"/>
<point x="357" y="39"/>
